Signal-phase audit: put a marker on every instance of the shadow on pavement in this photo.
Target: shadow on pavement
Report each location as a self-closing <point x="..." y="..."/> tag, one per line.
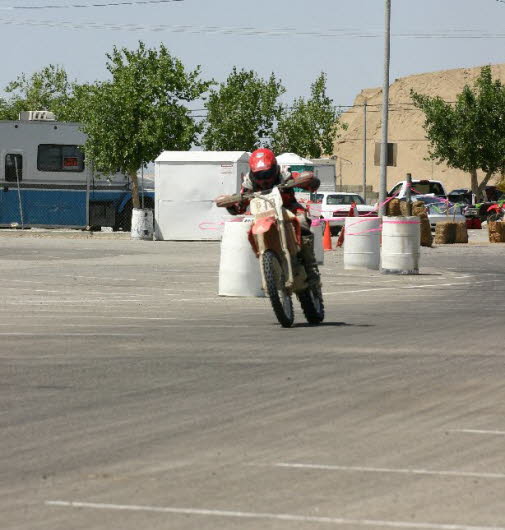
<point x="331" y="324"/>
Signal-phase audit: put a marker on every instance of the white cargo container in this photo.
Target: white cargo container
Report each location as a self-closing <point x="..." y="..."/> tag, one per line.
<point x="186" y="184"/>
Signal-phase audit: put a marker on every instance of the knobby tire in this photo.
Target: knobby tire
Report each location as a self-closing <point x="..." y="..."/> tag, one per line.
<point x="275" y="282"/>
<point x="312" y="304"/>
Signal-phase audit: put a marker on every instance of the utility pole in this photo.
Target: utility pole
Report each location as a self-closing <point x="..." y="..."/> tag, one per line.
<point x="385" y="109"/>
<point x="364" y="152"/>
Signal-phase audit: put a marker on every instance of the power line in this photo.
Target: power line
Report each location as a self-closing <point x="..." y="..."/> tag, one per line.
<point x="244" y="31"/>
<point x="108" y="4"/>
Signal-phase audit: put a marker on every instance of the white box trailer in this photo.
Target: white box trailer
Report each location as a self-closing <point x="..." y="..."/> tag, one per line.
<point x="185" y="186"/>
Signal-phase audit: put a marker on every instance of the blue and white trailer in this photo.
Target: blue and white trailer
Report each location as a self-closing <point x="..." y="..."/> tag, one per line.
<point x="45" y="181"/>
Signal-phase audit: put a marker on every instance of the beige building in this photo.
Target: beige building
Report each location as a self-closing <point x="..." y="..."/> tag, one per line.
<point x="405" y="129"/>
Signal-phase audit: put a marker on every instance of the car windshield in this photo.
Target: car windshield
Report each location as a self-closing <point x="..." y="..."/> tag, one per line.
<point x="425" y="186"/>
<point x="344" y="199"/>
<point x="464" y="198"/>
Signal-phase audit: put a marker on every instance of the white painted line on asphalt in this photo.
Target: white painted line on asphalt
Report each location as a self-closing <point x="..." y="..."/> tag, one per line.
<point x="101" y="301"/>
<point x="435" y="285"/>
<point x="197" y="299"/>
<point x="270" y="516"/>
<point x="391" y="470"/>
<point x="361" y="291"/>
<point x="419" y="286"/>
<point x="102" y="278"/>
<point x="478" y="431"/>
<point x="71" y="334"/>
<point x="175" y="326"/>
<point x="143" y="318"/>
<point x="10" y="280"/>
<point x="70" y="290"/>
<point x="73" y="312"/>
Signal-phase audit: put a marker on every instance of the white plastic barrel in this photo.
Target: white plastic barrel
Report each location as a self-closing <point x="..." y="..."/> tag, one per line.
<point x="362" y="243"/>
<point x="401" y="245"/>
<point x="142" y="223"/>
<point x="317" y="229"/>
<point x="239" y="268"/>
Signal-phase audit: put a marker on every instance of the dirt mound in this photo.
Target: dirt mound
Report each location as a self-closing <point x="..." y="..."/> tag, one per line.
<point x="405" y="129"/>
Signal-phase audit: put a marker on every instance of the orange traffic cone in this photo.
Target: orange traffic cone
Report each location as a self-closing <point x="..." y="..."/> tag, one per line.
<point x="327" y="237"/>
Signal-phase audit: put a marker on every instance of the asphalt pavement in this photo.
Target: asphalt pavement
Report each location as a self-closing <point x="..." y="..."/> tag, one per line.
<point x="132" y="396"/>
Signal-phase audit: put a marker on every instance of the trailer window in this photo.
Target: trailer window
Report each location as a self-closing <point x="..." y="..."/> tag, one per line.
<point x="13" y="167"/>
<point x="53" y="157"/>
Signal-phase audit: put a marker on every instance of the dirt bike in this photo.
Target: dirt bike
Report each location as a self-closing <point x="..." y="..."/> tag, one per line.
<point x="276" y="239"/>
<point x="495" y="212"/>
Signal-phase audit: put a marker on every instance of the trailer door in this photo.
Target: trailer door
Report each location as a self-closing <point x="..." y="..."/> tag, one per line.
<point x="11" y="198"/>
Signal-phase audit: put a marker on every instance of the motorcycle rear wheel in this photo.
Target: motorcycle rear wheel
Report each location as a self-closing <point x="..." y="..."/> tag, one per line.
<point x="276" y="287"/>
<point x="312" y="304"/>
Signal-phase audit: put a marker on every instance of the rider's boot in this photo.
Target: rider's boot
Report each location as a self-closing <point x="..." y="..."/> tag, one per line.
<point x="309" y="259"/>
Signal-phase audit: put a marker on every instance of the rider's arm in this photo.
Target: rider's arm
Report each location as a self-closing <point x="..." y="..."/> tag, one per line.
<point x="239" y="208"/>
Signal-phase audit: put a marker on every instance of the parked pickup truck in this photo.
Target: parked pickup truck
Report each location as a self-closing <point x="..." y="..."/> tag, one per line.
<point x="329" y="204"/>
<point x="419" y="187"/>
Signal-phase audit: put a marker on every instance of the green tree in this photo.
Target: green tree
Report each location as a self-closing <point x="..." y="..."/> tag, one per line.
<point x="242" y="112"/>
<point x="47" y="89"/>
<point x="140" y="112"/>
<point x="4" y="109"/>
<point x="470" y="134"/>
<point x="309" y="128"/>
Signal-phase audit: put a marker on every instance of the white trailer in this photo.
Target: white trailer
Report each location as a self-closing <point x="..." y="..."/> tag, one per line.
<point x="185" y="186"/>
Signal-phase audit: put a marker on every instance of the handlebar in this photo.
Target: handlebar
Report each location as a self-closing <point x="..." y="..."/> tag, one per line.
<point x="227" y="201"/>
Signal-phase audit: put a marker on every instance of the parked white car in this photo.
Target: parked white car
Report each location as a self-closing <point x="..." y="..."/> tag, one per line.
<point x="336" y="204"/>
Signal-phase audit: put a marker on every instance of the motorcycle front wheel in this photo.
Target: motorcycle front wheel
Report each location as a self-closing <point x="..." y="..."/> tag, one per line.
<point x="312" y="304"/>
<point x="276" y="287"/>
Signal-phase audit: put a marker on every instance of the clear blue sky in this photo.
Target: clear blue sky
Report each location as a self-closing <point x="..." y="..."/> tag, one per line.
<point x="353" y="60"/>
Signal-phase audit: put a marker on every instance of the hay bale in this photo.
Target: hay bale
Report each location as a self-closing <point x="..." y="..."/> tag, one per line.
<point x="393" y="208"/>
<point x="461" y="233"/>
<point x="418" y="208"/>
<point x="496" y="231"/>
<point x="403" y="209"/>
<point x="426" y="236"/>
<point x="445" y="233"/>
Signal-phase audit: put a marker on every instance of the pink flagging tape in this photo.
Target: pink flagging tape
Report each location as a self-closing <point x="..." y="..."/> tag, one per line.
<point x="363" y="232"/>
<point x="328" y="219"/>
<point x="361" y="220"/>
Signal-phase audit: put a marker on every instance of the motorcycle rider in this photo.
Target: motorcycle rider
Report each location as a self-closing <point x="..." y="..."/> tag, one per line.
<point x="265" y="174"/>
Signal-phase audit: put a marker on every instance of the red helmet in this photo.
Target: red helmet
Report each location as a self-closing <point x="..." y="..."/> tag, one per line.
<point x="264" y="172"/>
